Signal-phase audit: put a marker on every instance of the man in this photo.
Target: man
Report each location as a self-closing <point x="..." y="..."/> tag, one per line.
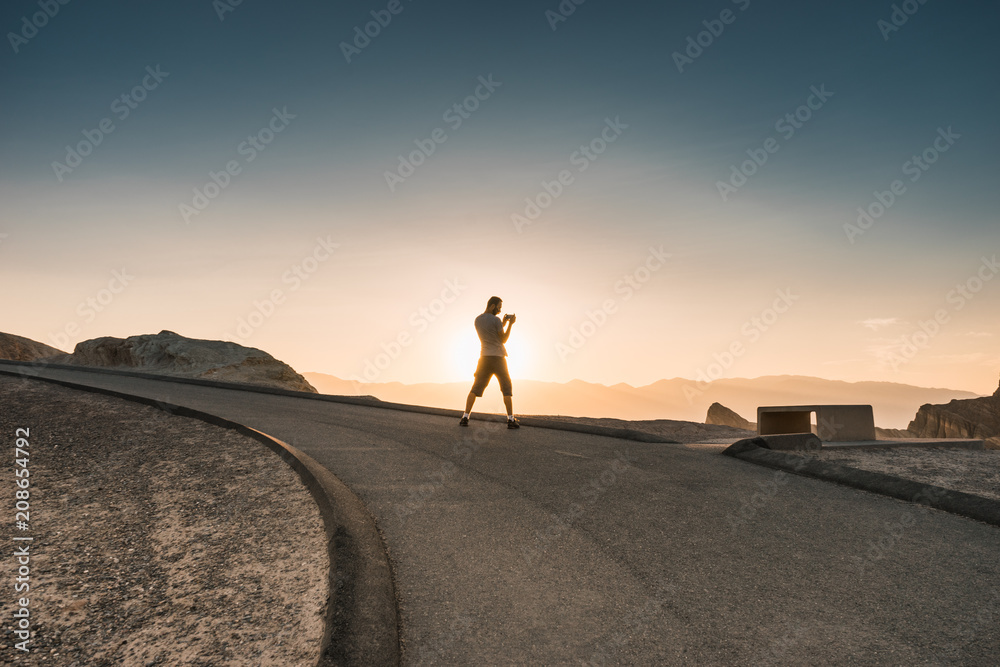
<point x="492" y="360"/>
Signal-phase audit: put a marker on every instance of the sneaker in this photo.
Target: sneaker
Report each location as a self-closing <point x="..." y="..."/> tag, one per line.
<point x="513" y="423"/>
<point x="464" y="421"/>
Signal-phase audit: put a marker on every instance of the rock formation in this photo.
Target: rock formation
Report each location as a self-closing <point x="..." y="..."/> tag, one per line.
<point x="18" y="348"/>
<point x="967" y="418"/>
<point x="723" y="416"/>
<point x="891" y="433"/>
<point x="169" y="353"/>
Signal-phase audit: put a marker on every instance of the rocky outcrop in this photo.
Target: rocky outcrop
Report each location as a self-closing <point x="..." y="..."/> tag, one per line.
<point x="891" y="434"/>
<point x="723" y="416"/>
<point x="968" y="418"/>
<point x="18" y="348"/>
<point x="169" y="353"/>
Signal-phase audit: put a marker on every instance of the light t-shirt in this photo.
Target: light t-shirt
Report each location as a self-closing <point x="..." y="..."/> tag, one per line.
<point x="490" y="330"/>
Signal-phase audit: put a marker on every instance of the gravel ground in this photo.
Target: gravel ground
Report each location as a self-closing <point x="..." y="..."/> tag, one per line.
<point x="158" y="540"/>
<point x="971" y="471"/>
<point x="679" y="431"/>
<point x="968" y="470"/>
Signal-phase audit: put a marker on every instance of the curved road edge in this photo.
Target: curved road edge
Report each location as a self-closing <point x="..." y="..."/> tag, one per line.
<point x="756" y="450"/>
<point x="27" y="368"/>
<point x="361" y="611"/>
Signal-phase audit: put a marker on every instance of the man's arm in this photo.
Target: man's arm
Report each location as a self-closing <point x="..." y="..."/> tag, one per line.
<point x="504" y="335"/>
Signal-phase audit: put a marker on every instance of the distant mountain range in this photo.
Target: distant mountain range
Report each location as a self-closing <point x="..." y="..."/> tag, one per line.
<point x="894" y="404"/>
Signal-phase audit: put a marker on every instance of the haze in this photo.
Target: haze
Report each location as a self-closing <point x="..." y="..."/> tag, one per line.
<point x="808" y="192"/>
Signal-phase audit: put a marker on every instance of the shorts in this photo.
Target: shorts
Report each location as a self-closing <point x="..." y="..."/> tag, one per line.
<point x="487" y="368"/>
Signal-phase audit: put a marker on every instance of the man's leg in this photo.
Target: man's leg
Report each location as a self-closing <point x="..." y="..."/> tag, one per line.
<point x="507" y="389"/>
<point x="464" y="421"/>
<point x="508" y="403"/>
<point x="477" y="390"/>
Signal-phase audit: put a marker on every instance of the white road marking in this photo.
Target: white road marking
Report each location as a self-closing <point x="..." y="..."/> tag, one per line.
<point x="580" y="456"/>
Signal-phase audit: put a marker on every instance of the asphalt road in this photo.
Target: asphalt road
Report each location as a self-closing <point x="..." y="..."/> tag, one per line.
<point x="546" y="547"/>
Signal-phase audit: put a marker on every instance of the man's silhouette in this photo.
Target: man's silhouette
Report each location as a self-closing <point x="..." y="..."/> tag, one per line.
<point x="492" y="360"/>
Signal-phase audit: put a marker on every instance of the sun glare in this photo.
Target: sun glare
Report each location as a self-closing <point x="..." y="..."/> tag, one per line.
<point x="518" y="356"/>
<point x="463" y="355"/>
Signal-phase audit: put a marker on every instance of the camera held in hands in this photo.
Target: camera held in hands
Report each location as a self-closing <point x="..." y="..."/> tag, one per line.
<point x="509" y="316"/>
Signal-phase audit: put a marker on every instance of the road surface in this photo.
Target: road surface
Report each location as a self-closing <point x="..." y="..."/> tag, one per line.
<point x="537" y="546"/>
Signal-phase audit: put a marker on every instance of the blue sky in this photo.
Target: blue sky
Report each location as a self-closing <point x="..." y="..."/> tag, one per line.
<point x="656" y="184"/>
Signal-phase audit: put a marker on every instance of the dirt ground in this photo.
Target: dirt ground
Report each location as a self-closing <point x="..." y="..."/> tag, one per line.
<point x="971" y="471"/>
<point x="157" y="539"/>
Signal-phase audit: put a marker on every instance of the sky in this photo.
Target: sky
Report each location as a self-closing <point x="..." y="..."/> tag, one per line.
<point x="724" y="189"/>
